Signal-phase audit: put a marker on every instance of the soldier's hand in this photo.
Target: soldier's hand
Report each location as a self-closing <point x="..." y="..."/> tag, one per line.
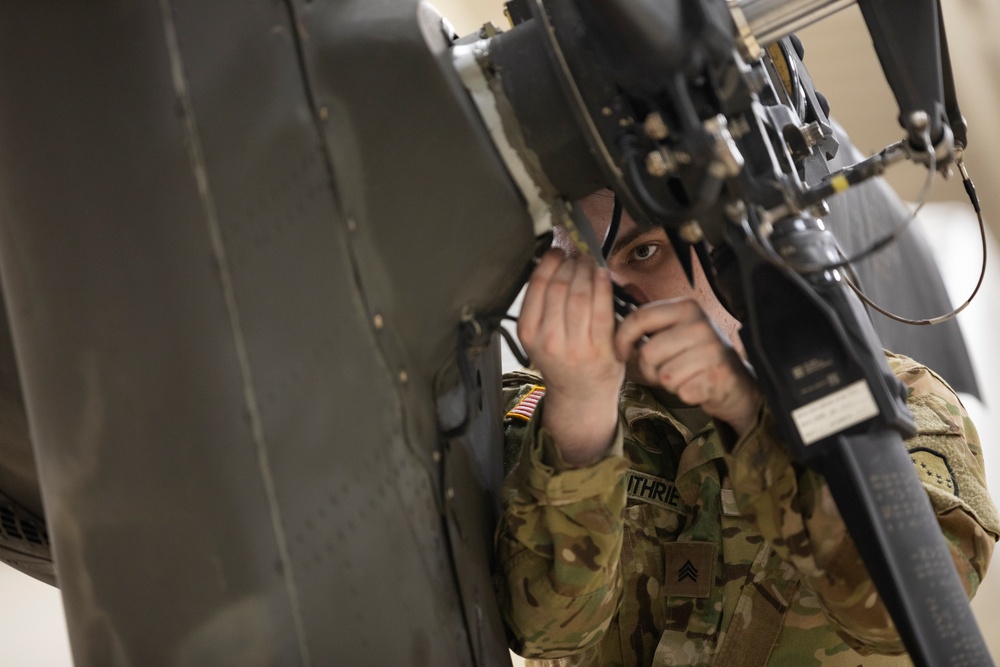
<point x="688" y="356"/>
<point x="567" y="328"/>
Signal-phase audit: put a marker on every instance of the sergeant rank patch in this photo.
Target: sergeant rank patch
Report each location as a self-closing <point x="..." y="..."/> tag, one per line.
<point x="689" y="569"/>
<point x="526" y="406"/>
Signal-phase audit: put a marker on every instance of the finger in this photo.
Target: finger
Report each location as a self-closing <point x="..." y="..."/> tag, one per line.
<point x="602" y="325"/>
<point x="529" y="320"/>
<point x="651" y="318"/>
<point x="668" y="343"/>
<point x="697" y="390"/>
<point x="552" y="327"/>
<point x="697" y="374"/>
<point x="579" y="303"/>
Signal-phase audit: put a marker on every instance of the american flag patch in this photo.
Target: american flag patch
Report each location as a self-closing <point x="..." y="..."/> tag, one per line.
<point x="526" y="406"/>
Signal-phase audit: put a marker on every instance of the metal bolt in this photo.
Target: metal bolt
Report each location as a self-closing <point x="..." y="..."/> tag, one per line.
<point x="436" y="456"/>
<point x="820" y="209"/>
<point x="654" y="127"/>
<point x="920" y="121"/>
<point x="378" y="322"/>
<point x="812" y="133"/>
<point x="606" y="112"/>
<point x="747" y="45"/>
<point x="738" y="127"/>
<point x="691" y="232"/>
<point x="324" y="114"/>
<point x="656" y="165"/>
<point x="352" y="225"/>
<point x="449" y="493"/>
<point x="404" y="376"/>
<point x="736" y="211"/>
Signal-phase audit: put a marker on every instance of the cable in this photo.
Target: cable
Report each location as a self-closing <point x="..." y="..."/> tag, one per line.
<point x="970" y="189"/>
<point x="772" y="255"/>
<point x="512" y="345"/>
<point x="612" y="233"/>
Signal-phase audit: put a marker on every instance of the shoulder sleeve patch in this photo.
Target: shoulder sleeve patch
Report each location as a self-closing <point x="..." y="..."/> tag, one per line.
<point x="526" y="406"/>
<point x="933" y="469"/>
<point x="932" y="416"/>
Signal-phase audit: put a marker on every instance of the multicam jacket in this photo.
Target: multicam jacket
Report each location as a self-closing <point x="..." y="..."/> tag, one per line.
<point x="680" y="548"/>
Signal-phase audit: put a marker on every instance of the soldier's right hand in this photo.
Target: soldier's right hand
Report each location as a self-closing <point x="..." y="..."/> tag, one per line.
<point x="567" y="328"/>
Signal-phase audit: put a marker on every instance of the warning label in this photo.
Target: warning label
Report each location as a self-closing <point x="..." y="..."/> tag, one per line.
<point x="835" y="412"/>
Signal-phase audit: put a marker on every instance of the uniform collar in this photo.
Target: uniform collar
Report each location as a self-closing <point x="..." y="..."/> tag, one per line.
<point x="640" y="402"/>
<point x="702" y="442"/>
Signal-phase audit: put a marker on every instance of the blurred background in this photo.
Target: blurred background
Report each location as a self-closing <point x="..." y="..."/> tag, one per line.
<point x="844" y="67"/>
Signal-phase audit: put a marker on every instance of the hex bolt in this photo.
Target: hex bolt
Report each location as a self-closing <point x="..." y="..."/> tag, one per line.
<point x="654" y="127"/>
<point x="692" y="232"/>
<point x="656" y="165"/>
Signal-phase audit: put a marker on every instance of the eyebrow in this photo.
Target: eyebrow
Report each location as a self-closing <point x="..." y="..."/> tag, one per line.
<point x="625" y="239"/>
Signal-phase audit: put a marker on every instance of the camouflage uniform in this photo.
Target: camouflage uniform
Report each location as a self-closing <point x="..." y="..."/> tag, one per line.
<point x="680" y="547"/>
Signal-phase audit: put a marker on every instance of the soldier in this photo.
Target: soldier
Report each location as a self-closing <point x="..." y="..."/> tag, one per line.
<point x="651" y="516"/>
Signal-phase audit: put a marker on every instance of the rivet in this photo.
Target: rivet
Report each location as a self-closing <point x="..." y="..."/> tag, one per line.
<point x="324" y="114"/>
<point x="378" y="321"/>
<point x="691" y="232"/>
<point x="606" y="111"/>
<point x="352" y="225"/>
<point x="404" y="376"/>
<point x="449" y="493"/>
<point x="436" y="456"/>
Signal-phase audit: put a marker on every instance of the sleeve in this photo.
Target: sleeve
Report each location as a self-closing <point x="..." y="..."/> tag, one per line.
<point x="559" y="538"/>
<point x="794" y="509"/>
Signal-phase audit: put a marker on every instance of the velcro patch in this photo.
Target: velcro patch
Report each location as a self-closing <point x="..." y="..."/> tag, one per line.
<point x="729" y="506"/>
<point x="526" y="406"/>
<point x="933" y="469"/>
<point x="689" y="569"/>
<point x="655" y="491"/>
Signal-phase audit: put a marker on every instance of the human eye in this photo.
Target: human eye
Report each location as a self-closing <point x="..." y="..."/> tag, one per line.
<point x="643" y="252"/>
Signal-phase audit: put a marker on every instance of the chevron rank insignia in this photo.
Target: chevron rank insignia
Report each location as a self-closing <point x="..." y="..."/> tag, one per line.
<point x="526" y="406"/>
<point x="690" y="569"/>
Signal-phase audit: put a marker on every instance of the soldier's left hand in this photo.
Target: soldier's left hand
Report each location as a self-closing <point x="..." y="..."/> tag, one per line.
<point x="688" y="356"/>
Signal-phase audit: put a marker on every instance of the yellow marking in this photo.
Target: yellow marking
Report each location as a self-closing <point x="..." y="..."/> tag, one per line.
<point x="781" y="65"/>
<point x="839" y="183"/>
<point x="576" y="237"/>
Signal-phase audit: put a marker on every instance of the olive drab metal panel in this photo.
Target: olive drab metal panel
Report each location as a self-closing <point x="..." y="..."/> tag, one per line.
<point x="237" y="241"/>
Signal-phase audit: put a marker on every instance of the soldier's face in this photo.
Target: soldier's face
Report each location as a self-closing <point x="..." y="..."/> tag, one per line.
<point x="645" y="264"/>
